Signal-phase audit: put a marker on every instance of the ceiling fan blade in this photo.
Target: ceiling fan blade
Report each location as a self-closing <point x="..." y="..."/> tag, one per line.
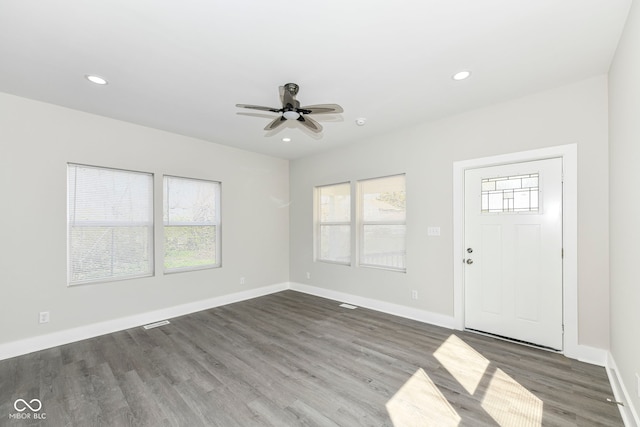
<point x="323" y="109"/>
<point x="258" y="107"/>
<point x="275" y="123"/>
<point x="310" y="124"/>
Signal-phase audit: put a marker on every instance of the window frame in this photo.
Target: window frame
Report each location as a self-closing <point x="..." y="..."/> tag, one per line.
<point x="217" y="224"/>
<point x="71" y="224"/>
<point x="361" y="223"/>
<point x="319" y="224"/>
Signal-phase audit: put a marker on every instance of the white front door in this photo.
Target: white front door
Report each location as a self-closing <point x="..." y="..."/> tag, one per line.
<point x="513" y="251"/>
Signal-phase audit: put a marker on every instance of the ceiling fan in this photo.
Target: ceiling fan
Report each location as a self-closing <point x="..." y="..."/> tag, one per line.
<point x="291" y="109"/>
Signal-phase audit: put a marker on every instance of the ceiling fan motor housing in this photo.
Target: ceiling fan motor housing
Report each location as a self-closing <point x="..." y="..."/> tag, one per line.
<point x="292" y="88"/>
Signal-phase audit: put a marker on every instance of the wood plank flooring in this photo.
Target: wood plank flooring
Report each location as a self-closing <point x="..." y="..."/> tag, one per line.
<point x="291" y="359"/>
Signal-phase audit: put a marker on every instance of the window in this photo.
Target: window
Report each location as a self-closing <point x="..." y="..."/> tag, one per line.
<point x="191" y="224"/>
<point x="109" y="224"/>
<point x="510" y="194"/>
<point x="333" y="233"/>
<point x="383" y="222"/>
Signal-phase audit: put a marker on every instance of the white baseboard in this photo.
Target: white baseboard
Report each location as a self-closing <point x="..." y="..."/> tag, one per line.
<point x="592" y="355"/>
<point x="583" y="353"/>
<point x="620" y="393"/>
<point x="385" y="307"/>
<point x="29" y="345"/>
<point x="42" y="342"/>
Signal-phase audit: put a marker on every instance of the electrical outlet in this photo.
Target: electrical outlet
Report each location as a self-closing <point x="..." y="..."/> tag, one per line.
<point x="308" y="275"/>
<point x="242" y="280"/>
<point x="44" y="317"/>
<point x="414" y="294"/>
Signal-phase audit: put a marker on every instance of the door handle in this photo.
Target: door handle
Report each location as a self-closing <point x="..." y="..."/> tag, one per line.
<point x="469" y="261"/>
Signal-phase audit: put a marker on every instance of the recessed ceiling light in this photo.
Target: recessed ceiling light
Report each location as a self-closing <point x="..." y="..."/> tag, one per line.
<point x="461" y="75"/>
<point x="361" y="121"/>
<point x="286" y="139"/>
<point x="96" y="79"/>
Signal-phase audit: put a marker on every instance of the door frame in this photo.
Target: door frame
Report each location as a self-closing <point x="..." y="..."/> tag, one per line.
<point x="569" y="155"/>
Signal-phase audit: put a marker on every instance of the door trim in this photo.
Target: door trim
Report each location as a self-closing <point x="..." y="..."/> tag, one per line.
<point x="569" y="155"/>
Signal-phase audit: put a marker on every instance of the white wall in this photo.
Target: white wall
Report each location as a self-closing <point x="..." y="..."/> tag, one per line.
<point x="572" y="114"/>
<point x="624" y="151"/>
<point x="37" y="140"/>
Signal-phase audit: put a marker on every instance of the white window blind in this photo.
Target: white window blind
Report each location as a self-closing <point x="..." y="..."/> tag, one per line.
<point x="333" y="230"/>
<point x="191" y="224"/>
<point x="110" y="224"/>
<point x="383" y="222"/>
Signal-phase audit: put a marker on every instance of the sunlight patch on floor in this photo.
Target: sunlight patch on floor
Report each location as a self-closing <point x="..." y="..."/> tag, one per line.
<point x="464" y="363"/>
<point x="420" y="403"/>
<point x="510" y="404"/>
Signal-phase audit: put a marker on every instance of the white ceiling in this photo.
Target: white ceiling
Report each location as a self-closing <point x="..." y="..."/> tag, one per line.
<point x="182" y="66"/>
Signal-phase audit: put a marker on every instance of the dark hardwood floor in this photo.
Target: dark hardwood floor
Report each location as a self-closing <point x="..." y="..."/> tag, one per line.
<point x="292" y="359"/>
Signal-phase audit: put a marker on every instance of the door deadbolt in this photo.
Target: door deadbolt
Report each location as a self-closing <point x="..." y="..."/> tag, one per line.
<point x="469" y="261"/>
<point x="469" y="250"/>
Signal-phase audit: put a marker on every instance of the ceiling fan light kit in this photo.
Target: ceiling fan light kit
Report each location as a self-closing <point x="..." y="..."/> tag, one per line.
<point x="291" y="115"/>
<point x="291" y="110"/>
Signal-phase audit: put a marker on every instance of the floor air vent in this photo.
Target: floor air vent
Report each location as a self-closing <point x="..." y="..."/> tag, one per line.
<point x="345" y="305"/>
<point x="156" y="324"/>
